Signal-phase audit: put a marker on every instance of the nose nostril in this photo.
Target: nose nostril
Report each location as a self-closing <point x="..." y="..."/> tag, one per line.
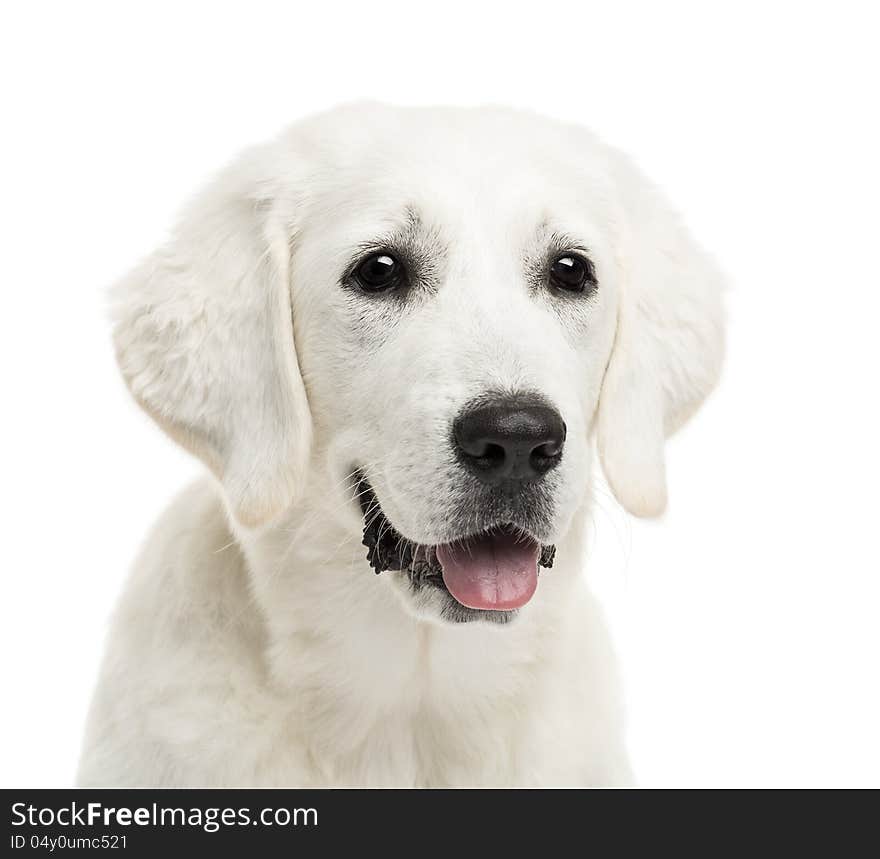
<point x="548" y="450"/>
<point x="490" y="456"/>
<point x="545" y="456"/>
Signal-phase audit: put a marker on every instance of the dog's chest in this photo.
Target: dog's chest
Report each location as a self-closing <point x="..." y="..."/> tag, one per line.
<point x="435" y="718"/>
<point x="450" y="749"/>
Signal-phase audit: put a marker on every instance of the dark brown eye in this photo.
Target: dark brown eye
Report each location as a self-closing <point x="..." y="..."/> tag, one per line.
<point x="572" y="273"/>
<point x="379" y="272"/>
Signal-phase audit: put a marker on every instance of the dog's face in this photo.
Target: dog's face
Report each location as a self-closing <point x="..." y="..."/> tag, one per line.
<point x="455" y="307"/>
<point x="437" y="307"/>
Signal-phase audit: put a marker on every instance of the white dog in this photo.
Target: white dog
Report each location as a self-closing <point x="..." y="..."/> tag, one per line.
<point x="392" y="335"/>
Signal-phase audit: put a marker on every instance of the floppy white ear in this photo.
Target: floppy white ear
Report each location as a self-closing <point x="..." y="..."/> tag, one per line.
<point x="204" y="338"/>
<point x="668" y="349"/>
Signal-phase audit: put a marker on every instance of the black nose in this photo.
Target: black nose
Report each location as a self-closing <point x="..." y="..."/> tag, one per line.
<point x="510" y="438"/>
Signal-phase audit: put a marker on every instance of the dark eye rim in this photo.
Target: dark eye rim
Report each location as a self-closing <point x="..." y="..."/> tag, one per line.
<point x="586" y="284"/>
<point x="398" y="279"/>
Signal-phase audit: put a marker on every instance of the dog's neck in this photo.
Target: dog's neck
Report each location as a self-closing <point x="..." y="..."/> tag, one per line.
<point x="343" y="642"/>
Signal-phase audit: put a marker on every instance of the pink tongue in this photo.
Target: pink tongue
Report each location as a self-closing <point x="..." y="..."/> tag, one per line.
<point x="494" y="571"/>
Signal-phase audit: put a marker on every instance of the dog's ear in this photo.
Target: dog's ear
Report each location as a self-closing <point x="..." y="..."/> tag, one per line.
<point x="668" y="348"/>
<point x="204" y="338"/>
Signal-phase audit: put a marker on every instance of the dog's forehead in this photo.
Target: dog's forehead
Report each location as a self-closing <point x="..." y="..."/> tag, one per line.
<point x="455" y="168"/>
<point x="484" y="137"/>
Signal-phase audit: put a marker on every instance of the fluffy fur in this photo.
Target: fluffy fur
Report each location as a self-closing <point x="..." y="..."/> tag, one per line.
<point x="253" y="645"/>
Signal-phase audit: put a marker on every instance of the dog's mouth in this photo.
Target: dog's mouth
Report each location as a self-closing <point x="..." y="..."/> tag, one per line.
<point x="494" y="571"/>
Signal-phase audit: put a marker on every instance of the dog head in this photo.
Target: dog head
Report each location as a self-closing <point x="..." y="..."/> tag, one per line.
<point x="443" y="307"/>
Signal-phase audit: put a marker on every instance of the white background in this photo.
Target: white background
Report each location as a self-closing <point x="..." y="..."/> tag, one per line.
<point x="748" y="617"/>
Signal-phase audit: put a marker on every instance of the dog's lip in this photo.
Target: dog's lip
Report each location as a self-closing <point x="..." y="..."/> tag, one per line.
<point x="387" y="549"/>
<point x="372" y="509"/>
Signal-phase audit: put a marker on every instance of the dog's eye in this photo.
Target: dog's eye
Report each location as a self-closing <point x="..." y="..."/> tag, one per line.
<point x="379" y="272"/>
<point x="572" y="273"/>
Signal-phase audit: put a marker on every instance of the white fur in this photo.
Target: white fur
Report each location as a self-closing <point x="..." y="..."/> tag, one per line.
<point x="253" y="644"/>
